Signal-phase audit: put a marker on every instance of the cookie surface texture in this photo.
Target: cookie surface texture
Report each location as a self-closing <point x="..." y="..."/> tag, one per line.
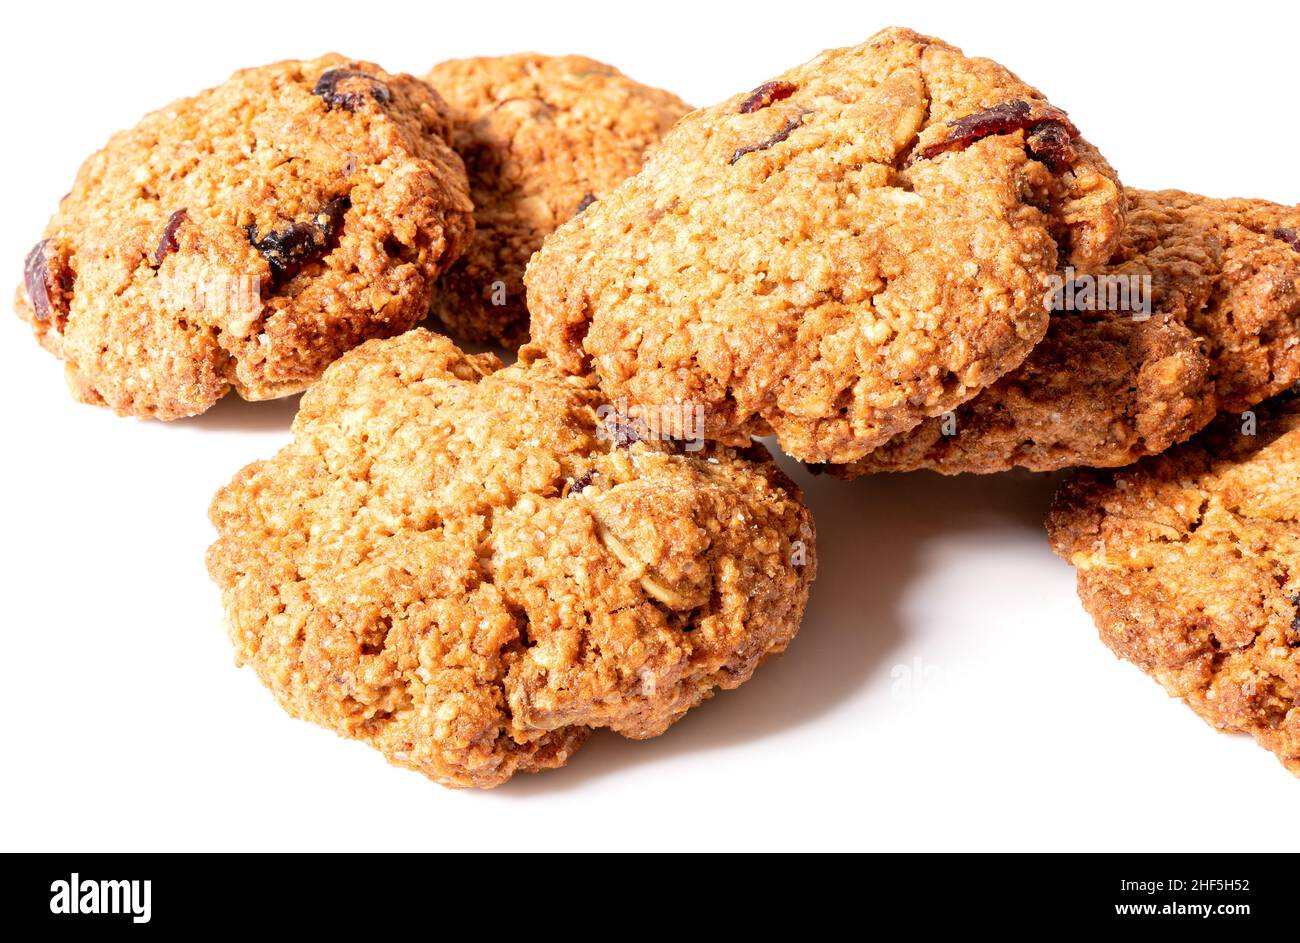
<point x="543" y="137"/>
<point x="247" y="237"/>
<point x="469" y="567"/>
<point x="1198" y="312"/>
<point x="858" y="244"/>
<point x="1189" y="563"/>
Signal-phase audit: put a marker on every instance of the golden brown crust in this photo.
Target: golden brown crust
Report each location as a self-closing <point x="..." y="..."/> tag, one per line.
<point x="248" y="236"/>
<point x="1190" y="564"/>
<point x="1104" y="389"/>
<point x="793" y="263"/>
<point x="542" y="138"/>
<point x="456" y="564"/>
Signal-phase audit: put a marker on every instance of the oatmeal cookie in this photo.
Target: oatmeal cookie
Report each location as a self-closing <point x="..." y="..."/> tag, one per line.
<point x="469" y="567"/>
<point x="1189" y="563"/>
<point x="543" y="137"/>
<point x="862" y="242"/>
<point x="1105" y="388"/>
<point x="248" y="236"/>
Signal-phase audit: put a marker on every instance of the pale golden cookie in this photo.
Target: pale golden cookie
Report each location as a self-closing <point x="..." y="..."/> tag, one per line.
<point x="470" y="567"/>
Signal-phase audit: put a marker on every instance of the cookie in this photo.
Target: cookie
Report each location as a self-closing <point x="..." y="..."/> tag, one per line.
<point x="1202" y="314"/>
<point x="543" y="137"/>
<point x="862" y="242"/>
<point x="469" y="567"/>
<point x="247" y="237"/>
<point x="1189" y="563"/>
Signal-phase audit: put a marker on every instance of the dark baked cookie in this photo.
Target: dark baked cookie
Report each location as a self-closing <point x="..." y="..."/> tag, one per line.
<point x="248" y="236"/>
<point x="469" y="567"/>
<point x="1190" y="564"/>
<point x="858" y="244"/>
<point x="543" y="137"/>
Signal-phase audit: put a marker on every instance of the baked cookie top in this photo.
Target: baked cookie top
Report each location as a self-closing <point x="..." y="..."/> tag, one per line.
<point x="1190" y="564"/>
<point x="468" y="567"/>
<point x="1221" y="280"/>
<point x="863" y="241"/>
<point x="543" y="137"/>
<point x="248" y="236"/>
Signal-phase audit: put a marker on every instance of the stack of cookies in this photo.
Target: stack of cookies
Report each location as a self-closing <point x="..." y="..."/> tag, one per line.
<point x="891" y="257"/>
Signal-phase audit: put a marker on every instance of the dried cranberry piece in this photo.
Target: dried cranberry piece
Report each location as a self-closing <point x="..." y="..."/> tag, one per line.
<point x="48" y="280"/>
<point x="288" y="250"/>
<point x="1290" y="236"/>
<point x="361" y="84"/>
<point x="781" y="135"/>
<point x="816" y="468"/>
<point x="577" y="485"/>
<point x="587" y="200"/>
<point x="36" y="275"/>
<point x="765" y="94"/>
<point x="1000" y="119"/>
<point x="1050" y="143"/>
<point x="1051" y="130"/>
<point x="167" y="242"/>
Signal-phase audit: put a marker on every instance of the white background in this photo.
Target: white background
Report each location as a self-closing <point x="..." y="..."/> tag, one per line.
<point x="126" y="725"/>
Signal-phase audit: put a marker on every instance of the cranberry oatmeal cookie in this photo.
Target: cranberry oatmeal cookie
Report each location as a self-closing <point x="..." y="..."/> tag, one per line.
<point x="1105" y="388"/>
<point x="469" y="567"/>
<point x="1189" y="563"/>
<point x="858" y="244"/>
<point x="543" y="137"/>
<point x="247" y="237"/>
